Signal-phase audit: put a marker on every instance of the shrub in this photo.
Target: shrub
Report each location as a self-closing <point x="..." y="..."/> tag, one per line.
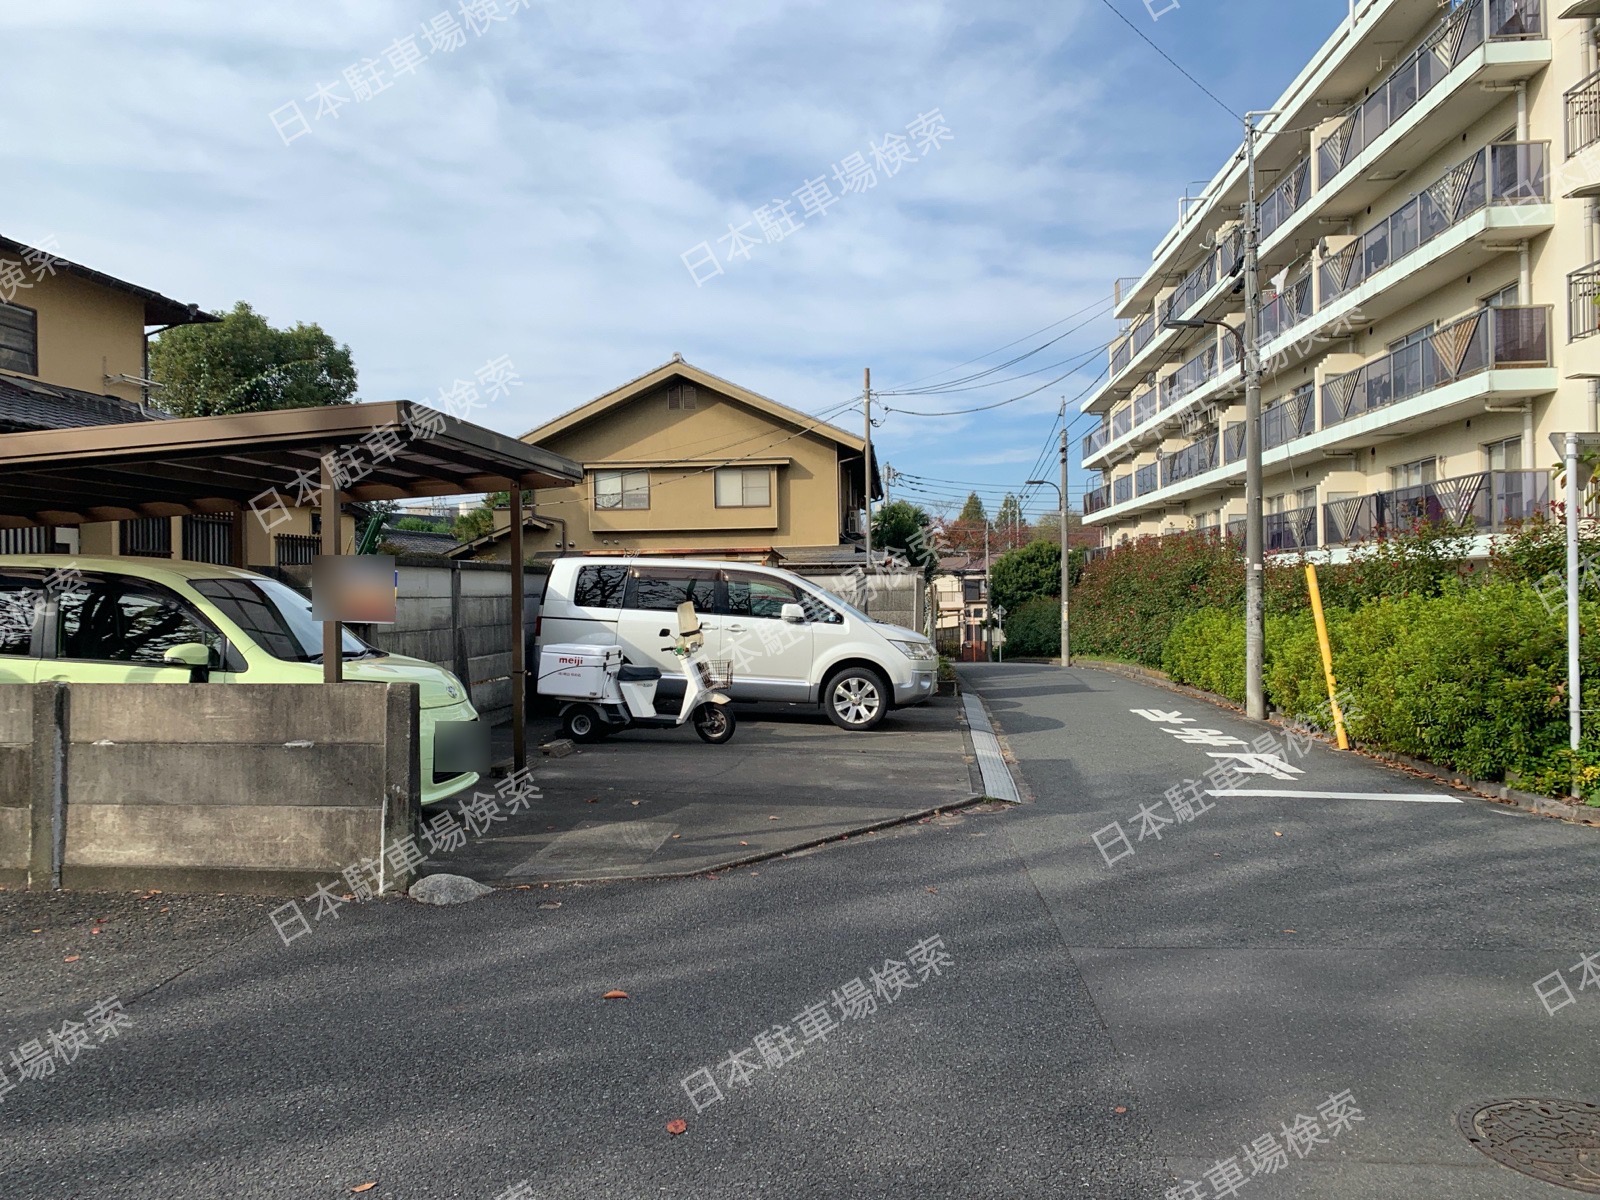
<point x="1033" y="628"/>
<point x="1024" y="574"/>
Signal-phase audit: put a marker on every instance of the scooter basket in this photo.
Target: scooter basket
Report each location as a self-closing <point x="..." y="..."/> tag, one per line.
<point x="716" y="673"/>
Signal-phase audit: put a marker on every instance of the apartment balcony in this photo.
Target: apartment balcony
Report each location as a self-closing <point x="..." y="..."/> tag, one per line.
<point x="1286" y="197"/>
<point x="1582" y="104"/>
<point x="1147" y="479"/>
<point x="1287" y="309"/>
<point x="1486" y="502"/>
<point x="1096" y="438"/>
<point x="1583" y="303"/>
<point x="1504" y="173"/>
<point x="1192" y="461"/>
<point x="1291" y="529"/>
<point x="1122" y="489"/>
<point x="1494" y="356"/>
<point x="1490" y="338"/>
<point x="1136" y="425"/>
<point x="1448" y="83"/>
<point x="1290" y="418"/>
<point x="1221" y="263"/>
<point x="1096" y="498"/>
<point x="1132" y="343"/>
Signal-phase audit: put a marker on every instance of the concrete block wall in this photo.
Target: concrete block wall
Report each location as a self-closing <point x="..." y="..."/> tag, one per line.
<point x="458" y="615"/>
<point x="262" y="788"/>
<point x="897" y="597"/>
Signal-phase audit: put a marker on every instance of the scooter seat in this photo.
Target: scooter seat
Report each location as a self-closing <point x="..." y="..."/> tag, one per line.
<point x="632" y="674"/>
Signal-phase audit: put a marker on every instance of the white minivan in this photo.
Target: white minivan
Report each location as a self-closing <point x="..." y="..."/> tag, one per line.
<point x="784" y="639"/>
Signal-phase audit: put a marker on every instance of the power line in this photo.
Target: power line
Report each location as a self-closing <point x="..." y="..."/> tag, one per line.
<point x="1118" y="13"/>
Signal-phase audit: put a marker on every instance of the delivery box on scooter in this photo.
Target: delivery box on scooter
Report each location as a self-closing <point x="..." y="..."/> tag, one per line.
<point x="577" y="672"/>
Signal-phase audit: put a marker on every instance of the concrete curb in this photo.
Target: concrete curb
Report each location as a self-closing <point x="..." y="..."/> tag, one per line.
<point x="511" y="883"/>
<point x="1485" y="789"/>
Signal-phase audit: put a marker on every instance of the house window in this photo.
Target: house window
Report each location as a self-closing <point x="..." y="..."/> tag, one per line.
<point x="1504" y="456"/>
<point x="19" y="339"/>
<point x="1506" y="297"/>
<point x="744" y="487"/>
<point x="622" y="489"/>
<point x="1415" y="474"/>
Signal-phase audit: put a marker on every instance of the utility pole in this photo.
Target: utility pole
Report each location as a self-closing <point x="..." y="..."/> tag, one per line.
<point x="1066" y="569"/>
<point x="866" y="473"/>
<point x="988" y="609"/>
<point x="1254" y="567"/>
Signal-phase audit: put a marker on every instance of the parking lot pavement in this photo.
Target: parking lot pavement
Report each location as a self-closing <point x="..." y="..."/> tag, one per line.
<point x="649" y="803"/>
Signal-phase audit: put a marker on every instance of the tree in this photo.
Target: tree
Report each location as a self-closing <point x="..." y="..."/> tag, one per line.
<point x="972" y="510"/>
<point x="242" y="364"/>
<point x="473" y="525"/>
<point x="417" y="525"/>
<point x="1018" y="576"/>
<point x="1010" y="514"/>
<point x="903" y="526"/>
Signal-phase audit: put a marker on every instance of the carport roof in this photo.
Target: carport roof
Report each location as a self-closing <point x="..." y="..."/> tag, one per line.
<point x="388" y="451"/>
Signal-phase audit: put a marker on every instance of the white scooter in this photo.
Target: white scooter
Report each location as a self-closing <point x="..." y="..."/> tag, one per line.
<point x="606" y="696"/>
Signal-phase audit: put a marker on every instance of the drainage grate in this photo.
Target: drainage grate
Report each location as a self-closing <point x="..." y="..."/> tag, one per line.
<point x="1556" y="1141"/>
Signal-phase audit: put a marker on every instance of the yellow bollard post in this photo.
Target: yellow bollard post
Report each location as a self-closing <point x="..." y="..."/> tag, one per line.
<point x="1327" y="655"/>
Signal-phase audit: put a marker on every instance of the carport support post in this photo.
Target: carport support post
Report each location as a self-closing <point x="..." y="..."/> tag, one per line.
<point x="332" y="660"/>
<point x="519" y="673"/>
<point x="236" y="537"/>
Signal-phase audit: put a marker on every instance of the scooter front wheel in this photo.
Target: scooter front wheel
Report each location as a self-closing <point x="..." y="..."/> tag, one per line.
<point x="714" y="723"/>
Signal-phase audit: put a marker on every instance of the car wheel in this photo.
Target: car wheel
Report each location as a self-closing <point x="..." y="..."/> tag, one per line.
<point x="714" y="723"/>
<point x="855" y="698"/>
<point x="582" y="724"/>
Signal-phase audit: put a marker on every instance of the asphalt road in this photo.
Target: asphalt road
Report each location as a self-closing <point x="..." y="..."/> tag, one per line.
<point x="1098" y="1031"/>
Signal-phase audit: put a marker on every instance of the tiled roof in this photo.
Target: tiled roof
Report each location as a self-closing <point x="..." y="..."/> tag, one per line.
<point x="415" y="541"/>
<point x="27" y="404"/>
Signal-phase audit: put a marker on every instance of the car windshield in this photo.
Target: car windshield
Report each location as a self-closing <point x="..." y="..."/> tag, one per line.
<point x="277" y="618"/>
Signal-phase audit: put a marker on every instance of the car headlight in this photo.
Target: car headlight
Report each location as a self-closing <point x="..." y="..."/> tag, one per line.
<point x="914" y="649"/>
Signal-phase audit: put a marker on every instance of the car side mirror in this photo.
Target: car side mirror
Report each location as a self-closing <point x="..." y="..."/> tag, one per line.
<point x="793" y="613"/>
<point x="194" y="655"/>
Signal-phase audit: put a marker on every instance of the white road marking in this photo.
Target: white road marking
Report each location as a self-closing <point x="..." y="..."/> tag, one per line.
<point x="1259" y="764"/>
<point x="1410" y="797"/>
<point x="1162" y="717"/>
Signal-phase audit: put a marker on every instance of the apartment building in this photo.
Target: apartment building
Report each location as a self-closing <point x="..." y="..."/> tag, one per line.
<point x="1430" y="284"/>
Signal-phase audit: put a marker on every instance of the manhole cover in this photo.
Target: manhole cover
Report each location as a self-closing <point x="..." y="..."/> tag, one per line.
<point x="1557" y="1141"/>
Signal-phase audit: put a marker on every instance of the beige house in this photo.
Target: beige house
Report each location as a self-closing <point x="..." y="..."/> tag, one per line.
<point x="1430" y="246"/>
<point x="74" y="352"/>
<point x="682" y="462"/>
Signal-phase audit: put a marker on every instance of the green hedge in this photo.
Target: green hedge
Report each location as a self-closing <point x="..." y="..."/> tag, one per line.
<point x="1033" y="629"/>
<point x="1473" y="678"/>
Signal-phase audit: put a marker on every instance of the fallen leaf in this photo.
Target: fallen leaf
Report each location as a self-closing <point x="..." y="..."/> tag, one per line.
<point x="635" y="803"/>
<point x="94" y="931"/>
<point x="676" y="836"/>
<point x="1288" y="931"/>
<point x="614" y="994"/>
<point x="934" y="890"/>
<point x="524" y="887"/>
<point x="36" y="931"/>
<point x="677" y="1125"/>
<point x="71" y="958"/>
<point x="365" y="1187"/>
<point x="1275" y="833"/>
<point x="592" y="800"/>
<point x="551" y="904"/>
<point x="1120" y="1108"/>
<point x="744" y="843"/>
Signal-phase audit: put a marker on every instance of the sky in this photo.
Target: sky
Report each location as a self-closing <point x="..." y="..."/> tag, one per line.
<point x="548" y="190"/>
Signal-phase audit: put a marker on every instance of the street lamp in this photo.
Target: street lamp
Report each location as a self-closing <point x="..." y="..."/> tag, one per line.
<point x="1061" y="495"/>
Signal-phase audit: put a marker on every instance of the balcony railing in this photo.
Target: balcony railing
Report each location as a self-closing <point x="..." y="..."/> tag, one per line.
<point x="1583" y="302"/>
<point x="1147" y="478"/>
<point x="1289" y="194"/>
<point x="1489" y="338"/>
<point x="1290" y="418"/>
<point x="1096" y="498"/>
<point x="1503" y="173"/>
<point x="1144" y="406"/>
<point x="1487" y="501"/>
<point x="1124" y="489"/>
<point x="1292" y="529"/>
<point x="1096" y="438"/>
<point x="1121" y="421"/>
<point x="1193" y="374"/>
<point x="1218" y="264"/>
<point x="1583" y="115"/>
<point x="1136" y="340"/>
<point x="1457" y="35"/>
<point x="1288" y="309"/>
<point x="1236" y="527"/>
<point x="1233" y="442"/>
<point x="1194" y="459"/>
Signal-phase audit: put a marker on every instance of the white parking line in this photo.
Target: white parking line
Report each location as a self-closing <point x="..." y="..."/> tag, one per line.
<point x="1410" y="797"/>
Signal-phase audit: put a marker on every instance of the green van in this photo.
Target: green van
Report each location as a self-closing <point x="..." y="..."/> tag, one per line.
<point x="132" y="620"/>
